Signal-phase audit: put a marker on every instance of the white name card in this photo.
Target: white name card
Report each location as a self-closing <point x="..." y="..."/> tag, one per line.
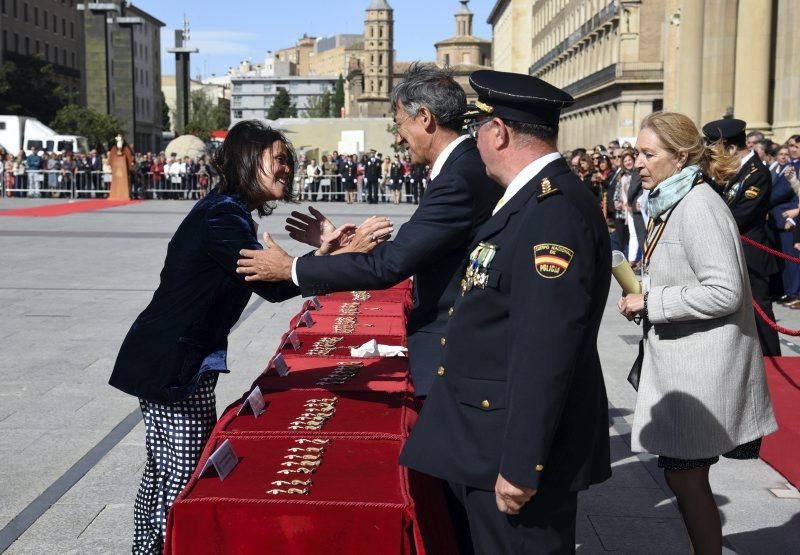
<point x="292" y="340"/>
<point x="221" y="461"/>
<point x="254" y="404"/>
<point x="315" y="303"/>
<point x="306" y="319"/>
<point x="279" y="364"/>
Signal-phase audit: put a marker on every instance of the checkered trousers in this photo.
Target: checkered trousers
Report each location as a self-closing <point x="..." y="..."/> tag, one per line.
<point x="175" y="435"/>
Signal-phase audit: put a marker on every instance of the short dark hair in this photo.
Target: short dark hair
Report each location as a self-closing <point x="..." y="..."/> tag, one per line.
<point x="546" y="133"/>
<point x="795" y="138"/>
<point x="239" y="163"/>
<point x="434" y="88"/>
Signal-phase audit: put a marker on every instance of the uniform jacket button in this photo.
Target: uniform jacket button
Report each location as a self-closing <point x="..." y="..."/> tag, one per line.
<point x="443" y="341"/>
<point x="441" y="371"/>
<point x="450" y="311"/>
<point x="486" y="404"/>
<point x="539" y="467"/>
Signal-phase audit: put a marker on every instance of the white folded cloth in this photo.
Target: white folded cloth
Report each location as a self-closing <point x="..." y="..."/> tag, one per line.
<point x="372" y="349"/>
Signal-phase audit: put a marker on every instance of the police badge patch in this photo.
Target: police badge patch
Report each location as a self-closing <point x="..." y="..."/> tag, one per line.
<point x="551" y="260"/>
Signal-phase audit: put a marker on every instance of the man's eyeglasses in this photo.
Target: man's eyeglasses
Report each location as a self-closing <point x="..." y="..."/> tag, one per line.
<point x="473" y="127"/>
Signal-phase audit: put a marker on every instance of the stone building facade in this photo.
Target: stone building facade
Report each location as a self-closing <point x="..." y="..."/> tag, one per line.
<point x="123" y="68"/>
<point x="50" y="31"/>
<point x="623" y="59"/>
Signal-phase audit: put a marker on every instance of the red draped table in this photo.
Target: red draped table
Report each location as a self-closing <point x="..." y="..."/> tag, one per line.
<point x="306" y="483"/>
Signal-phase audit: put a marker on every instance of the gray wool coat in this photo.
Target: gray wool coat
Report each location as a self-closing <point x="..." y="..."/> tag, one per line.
<point x="702" y="389"/>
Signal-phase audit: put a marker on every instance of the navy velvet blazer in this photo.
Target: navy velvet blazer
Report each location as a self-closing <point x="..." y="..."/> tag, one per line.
<point x="183" y="332"/>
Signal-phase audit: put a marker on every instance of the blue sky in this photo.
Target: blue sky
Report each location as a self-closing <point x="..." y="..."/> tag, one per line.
<point x="230" y="31"/>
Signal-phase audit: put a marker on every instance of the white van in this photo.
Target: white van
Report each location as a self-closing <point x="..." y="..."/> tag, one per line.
<point x="24" y="133"/>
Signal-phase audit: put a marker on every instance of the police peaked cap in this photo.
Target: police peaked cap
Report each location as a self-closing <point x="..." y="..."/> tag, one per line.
<point x="516" y="97"/>
<point x="730" y="130"/>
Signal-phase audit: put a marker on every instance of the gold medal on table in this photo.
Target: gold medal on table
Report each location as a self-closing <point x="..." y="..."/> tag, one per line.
<point x="477" y="274"/>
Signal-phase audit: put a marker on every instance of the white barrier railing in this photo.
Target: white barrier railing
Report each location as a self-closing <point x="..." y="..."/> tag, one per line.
<point x="96" y="184"/>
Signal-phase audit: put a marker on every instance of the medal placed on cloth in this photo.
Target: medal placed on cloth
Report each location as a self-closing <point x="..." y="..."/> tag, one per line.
<point x="477" y="274"/>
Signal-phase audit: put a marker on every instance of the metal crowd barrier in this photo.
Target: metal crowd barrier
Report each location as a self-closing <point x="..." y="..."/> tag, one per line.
<point x="96" y="184"/>
<point x="331" y="187"/>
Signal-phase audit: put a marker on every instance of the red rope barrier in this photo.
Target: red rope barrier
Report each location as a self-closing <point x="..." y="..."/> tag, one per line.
<point x="771" y="251"/>
<point x="775" y="326"/>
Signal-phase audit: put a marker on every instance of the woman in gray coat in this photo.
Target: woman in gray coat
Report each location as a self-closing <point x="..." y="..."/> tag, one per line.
<point x="702" y="387"/>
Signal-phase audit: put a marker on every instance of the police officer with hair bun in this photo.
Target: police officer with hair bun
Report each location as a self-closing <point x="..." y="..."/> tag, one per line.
<point x="747" y="194"/>
<point x="516" y="422"/>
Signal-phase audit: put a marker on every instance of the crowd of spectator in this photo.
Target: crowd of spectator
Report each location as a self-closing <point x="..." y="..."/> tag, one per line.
<point x="349" y="178"/>
<point x="55" y="175"/>
<point x="609" y="172"/>
<point x="370" y="178"/>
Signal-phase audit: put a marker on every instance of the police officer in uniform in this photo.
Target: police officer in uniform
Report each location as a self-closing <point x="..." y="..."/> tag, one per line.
<point x="747" y="195"/>
<point x="372" y="177"/>
<point x="517" y="421"/>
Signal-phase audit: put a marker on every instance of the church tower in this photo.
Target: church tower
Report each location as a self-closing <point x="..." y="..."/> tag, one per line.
<point x="464" y="20"/>
<point x="378" y="60"/>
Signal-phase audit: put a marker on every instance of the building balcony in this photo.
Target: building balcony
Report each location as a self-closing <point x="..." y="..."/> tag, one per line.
<point x="598" y="20"/>
<point x="623" y="73"/>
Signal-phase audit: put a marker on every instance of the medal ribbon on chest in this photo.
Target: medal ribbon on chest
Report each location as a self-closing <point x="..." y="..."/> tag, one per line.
<point x="477" y="273"/>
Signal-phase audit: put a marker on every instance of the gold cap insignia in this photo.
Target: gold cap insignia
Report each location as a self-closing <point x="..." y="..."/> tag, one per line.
<point x="483" y="107"/>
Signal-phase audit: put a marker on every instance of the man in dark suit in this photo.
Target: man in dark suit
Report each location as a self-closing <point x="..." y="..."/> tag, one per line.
<point x="748" y="196"/>
<point x="372" y="177"/>
<point x="517" y="421"/>
<point x="433" y="243"/>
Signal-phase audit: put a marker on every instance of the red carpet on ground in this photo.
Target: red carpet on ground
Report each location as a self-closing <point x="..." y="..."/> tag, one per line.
<point x="62" y="209"/>
<point x="782" y="449"/>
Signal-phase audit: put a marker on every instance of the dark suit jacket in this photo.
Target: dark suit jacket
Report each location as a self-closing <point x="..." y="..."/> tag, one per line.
<point x="781" y="199"/>
<point x="198" y="301"/>
<point x="372" y="170"/>
<point x="521" y="390"/>
<point x="748" y="196"/>
<point x="431" y="246"/>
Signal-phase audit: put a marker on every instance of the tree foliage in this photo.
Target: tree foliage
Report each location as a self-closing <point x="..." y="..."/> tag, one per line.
<point x="28" y="87"/>
<point x="205" y="116"/>
<point x="98" y="128"/>
<point x="282" y="106"/>
<point x="320" y="106"/>
<point x="166" y="122"/>
<point x="397" y="148"/>
<point x="337" y="103"/>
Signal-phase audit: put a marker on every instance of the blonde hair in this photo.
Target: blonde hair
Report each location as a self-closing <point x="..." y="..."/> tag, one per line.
<point x="677" y="133"/>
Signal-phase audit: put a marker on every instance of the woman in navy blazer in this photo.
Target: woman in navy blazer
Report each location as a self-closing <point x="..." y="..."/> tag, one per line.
<point x="176" y="348"/>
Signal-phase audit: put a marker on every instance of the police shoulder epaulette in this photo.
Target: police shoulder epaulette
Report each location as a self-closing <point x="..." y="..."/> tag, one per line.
<point x="546" y="189"/>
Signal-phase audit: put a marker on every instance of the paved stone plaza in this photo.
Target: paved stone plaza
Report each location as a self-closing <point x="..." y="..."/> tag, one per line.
<point x="73" y="447"/>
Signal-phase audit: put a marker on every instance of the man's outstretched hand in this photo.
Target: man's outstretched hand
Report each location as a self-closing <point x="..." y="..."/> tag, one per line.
<point x="309" y="229"/>
<point x="270" y="264"/>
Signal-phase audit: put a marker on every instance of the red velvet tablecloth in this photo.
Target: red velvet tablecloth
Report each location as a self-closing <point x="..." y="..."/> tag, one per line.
<point x="358" y="502"/>
<point x="358" y="499"/>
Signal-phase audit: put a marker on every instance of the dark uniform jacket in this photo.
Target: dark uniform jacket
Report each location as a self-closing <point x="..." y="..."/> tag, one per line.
<point x="748" y="196"/>
<point x="372" y="171"/>
<point x="199" y="299"/>
<point x="431" y="246"/>
<point x="520" y="391"/>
